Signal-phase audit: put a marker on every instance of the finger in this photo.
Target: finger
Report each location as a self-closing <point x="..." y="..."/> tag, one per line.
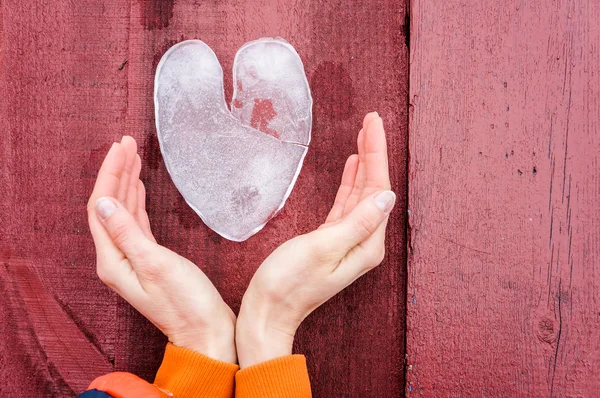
<point x="109" y="176"/>
<point x="361" y="223"/>
<point x="125" y="232"/>
<point x="348" y="177"/>
<point x="369" y="253"/>
<point x="368" y="118"/>
<point x="134" y="178"/>
<point x="107" y="184"/>
<point x="359" y="180"/>
<point x="111" y="265"/>
<point x="375" y="158"/>
<point x="142" y="215"/>
<point x="361" y="176"/>
<point x="130" y="150"/>
<point x="361" y="259"/>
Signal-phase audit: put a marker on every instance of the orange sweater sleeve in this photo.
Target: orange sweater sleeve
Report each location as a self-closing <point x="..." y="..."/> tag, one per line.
<point x="189" y="374"/>
<point x="285" y="377"/>
<point x="183" y="374"/>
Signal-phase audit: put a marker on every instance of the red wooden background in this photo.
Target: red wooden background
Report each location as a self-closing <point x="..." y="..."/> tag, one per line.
<point x="504" y="198"/>
<point x="503" y="281"/>
<point x="76" y="75"/>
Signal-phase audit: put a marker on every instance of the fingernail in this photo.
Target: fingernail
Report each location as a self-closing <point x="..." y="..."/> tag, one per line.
<point x="105" y="207"/>
<point x="376" y="114"/>
<point x="385" y="201"/>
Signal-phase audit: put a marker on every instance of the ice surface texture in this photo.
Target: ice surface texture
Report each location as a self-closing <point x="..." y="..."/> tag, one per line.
<point x="234" y="168"/>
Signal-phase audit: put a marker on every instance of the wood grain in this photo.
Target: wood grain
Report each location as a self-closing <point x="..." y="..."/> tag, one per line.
<point x="64" y="345"/>
<point x="503" y="274"/>
<point x="63" y="102"/>
<point x="77" y="75"/>
<point x="356" y="61"/>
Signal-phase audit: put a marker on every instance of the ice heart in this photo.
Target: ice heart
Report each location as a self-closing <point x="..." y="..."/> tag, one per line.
<point x="234" y="168"/>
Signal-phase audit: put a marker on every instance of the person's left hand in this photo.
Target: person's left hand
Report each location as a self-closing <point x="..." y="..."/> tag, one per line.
<point x="169" y="290"/>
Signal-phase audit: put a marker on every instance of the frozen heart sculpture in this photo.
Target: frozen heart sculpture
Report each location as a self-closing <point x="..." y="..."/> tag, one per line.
<point x="234" y="168"/>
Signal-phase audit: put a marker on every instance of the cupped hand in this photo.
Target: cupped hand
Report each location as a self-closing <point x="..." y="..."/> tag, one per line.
<point x="172" y="292"/>
<point x="308" y="270"/>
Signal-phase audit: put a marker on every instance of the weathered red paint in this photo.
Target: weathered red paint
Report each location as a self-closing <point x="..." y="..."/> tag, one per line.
<point x="67" y="93"/>
<point x="64" y="345"/>
<point x="63" y="101"/>
<point x="504" y="199"/>
<point x="155" y="14"/>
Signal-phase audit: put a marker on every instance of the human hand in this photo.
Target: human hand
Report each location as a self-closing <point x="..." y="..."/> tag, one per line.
<point x="169" y="290"/>
<point x="308" y="270"/>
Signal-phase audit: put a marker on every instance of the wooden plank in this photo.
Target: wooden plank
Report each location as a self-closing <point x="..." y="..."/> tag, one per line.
<point x="504" y="199"/>
<point x="63" y="102"/>
<point x="64" y="345"/>
<point x="356" y="61"/>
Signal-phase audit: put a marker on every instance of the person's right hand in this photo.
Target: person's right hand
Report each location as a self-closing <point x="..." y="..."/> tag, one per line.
<point x="308" y="270"/>
<point x="173" y="293"/>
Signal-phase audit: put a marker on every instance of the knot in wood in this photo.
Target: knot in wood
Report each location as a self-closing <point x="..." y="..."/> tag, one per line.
<point x="545" y="331"/>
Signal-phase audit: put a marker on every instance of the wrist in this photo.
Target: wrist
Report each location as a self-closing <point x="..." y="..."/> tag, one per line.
<point x="219" y="347"/>
<point x="260" y="338"/>
<point x="215" y="340"/>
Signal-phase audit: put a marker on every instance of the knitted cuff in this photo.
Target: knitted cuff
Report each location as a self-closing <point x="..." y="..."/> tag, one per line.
<point x="285" y="377"/>
<point x="186" y="373"/>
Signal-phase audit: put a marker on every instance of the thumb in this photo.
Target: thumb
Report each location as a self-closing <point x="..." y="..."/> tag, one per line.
<point x="122" y="228"/>
<point x="363" y="220"/>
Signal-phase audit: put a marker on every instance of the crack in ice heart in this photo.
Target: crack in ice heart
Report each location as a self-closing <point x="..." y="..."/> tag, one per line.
<point x="235" y="168"/>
